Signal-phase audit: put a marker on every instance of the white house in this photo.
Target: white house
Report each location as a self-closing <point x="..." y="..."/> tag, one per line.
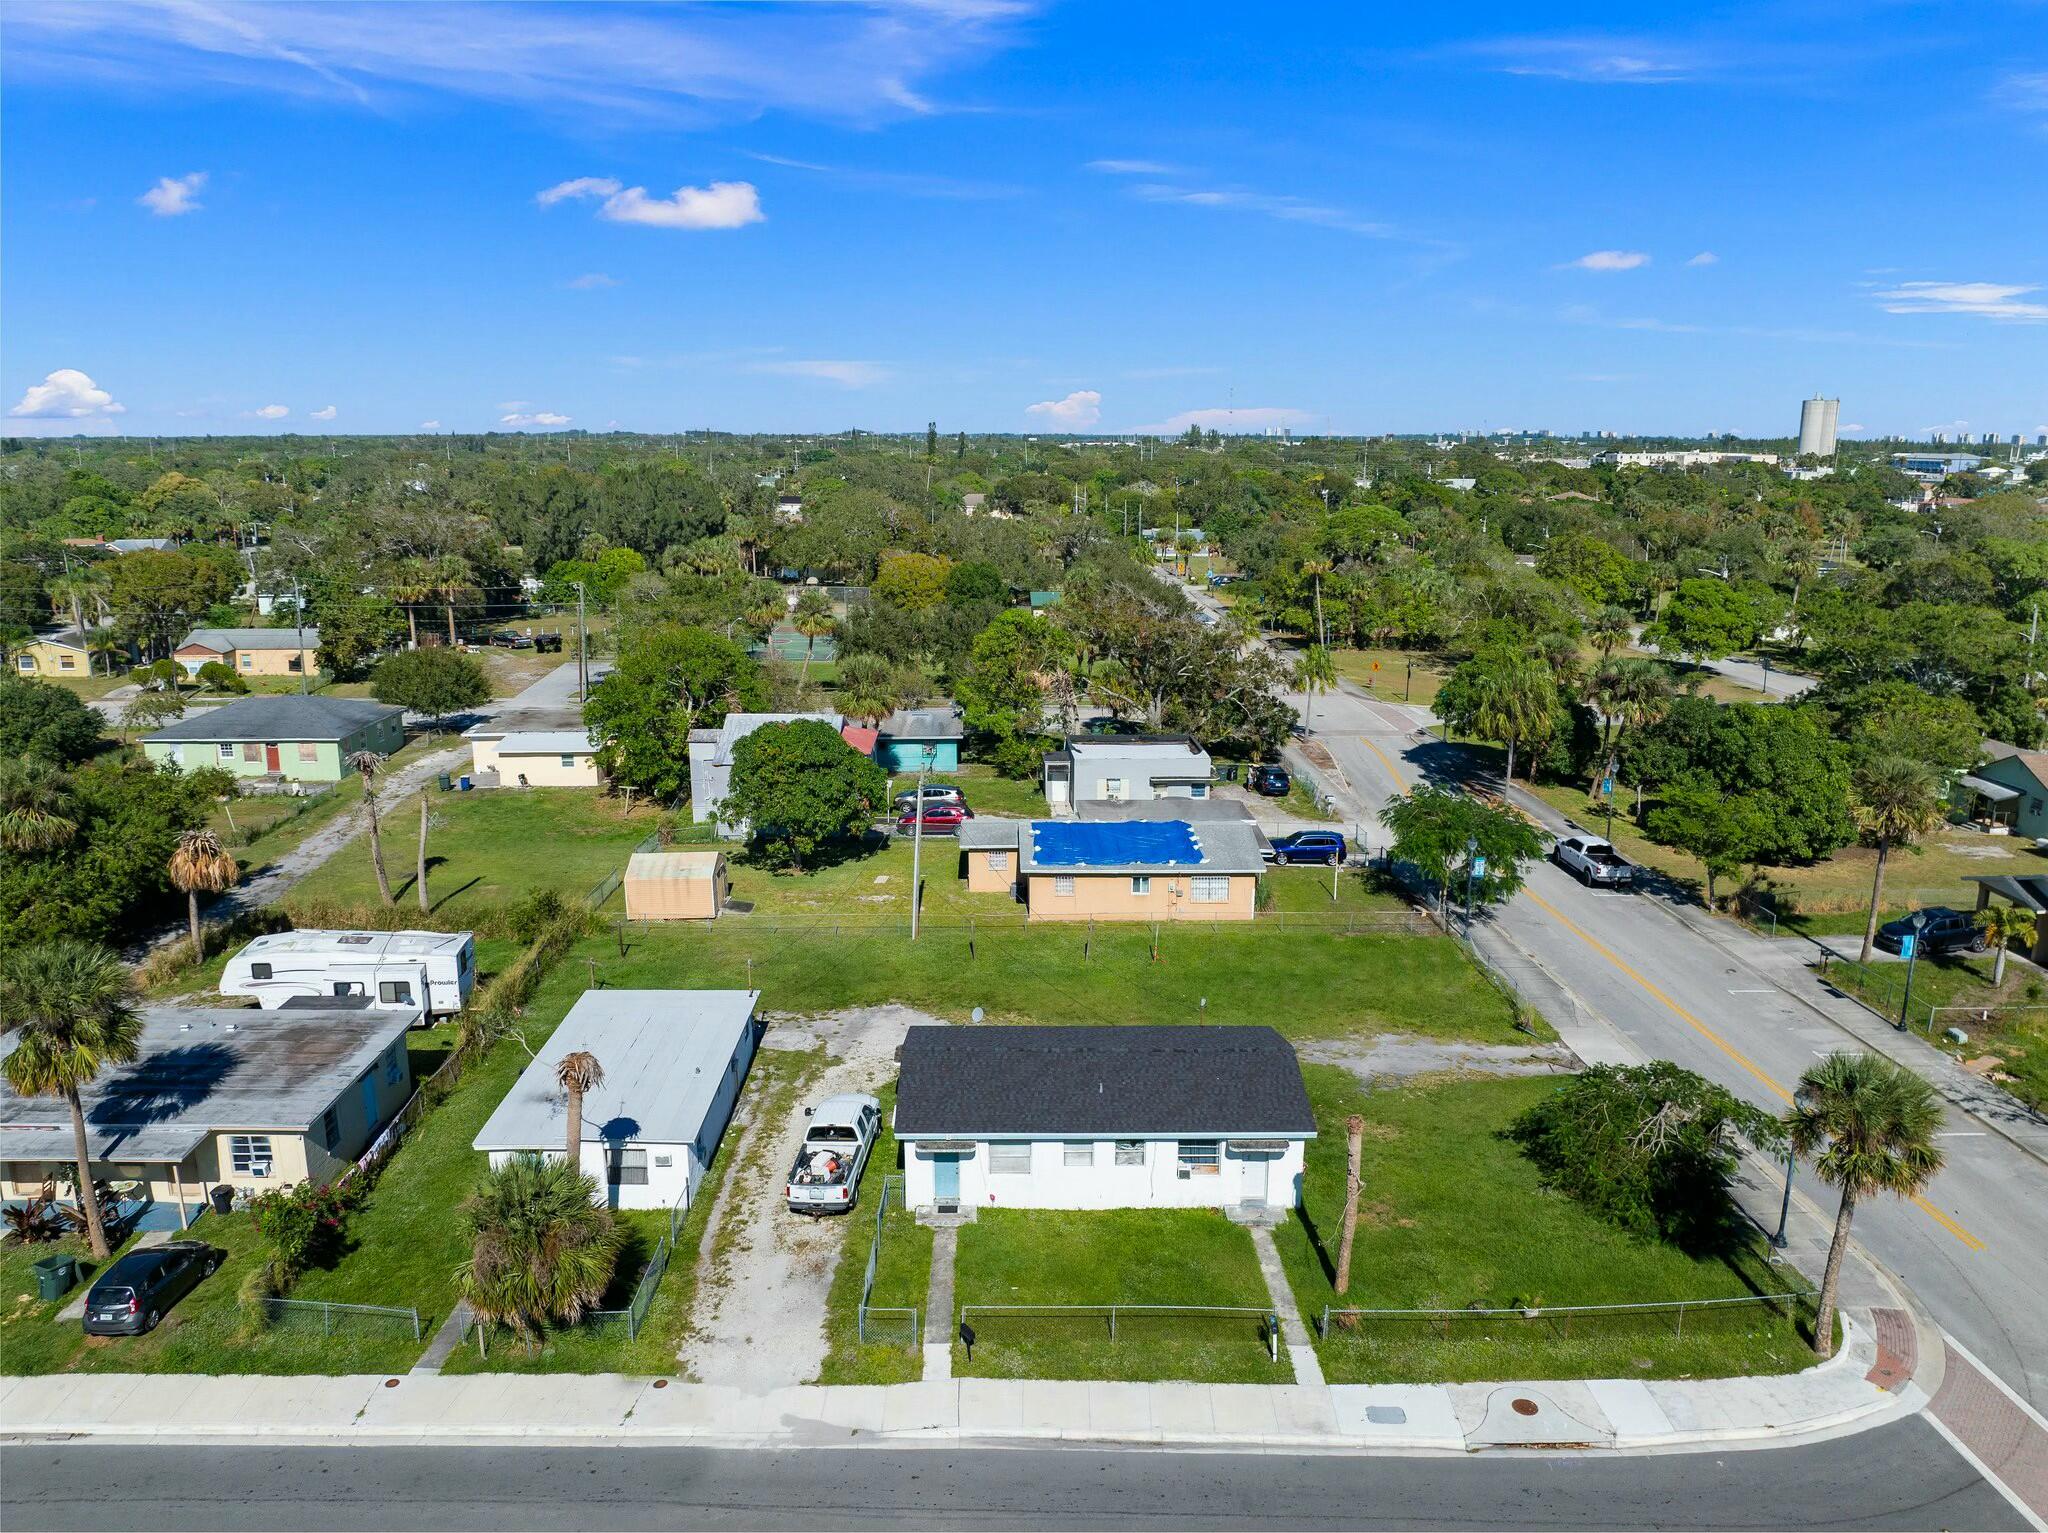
<point x="674" y="1061"/>
<point x="1101" y="1117"/>
<point x="711" y="759"/>
<point x="1126" y="769"/>
<point x="534" y="748"/>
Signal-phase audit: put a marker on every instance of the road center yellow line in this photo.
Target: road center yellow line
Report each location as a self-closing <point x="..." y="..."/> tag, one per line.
<point x="1385" y="761"/>
<point x="1721" y="1043"/>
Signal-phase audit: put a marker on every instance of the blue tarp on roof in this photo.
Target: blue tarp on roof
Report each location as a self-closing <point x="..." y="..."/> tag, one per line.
<point x="1114" y="843"/>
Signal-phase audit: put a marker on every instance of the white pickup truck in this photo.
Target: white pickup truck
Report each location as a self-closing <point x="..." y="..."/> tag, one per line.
<point x="1593" y="862"/>
<point x="842" y="1134"/>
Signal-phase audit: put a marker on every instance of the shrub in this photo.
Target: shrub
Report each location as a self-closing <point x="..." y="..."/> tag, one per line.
<point x="534" y="914"/>
<point x="303" y="1225"/>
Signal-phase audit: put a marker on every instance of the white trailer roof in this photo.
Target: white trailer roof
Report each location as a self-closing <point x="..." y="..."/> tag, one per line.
<point x="399" y="945"/>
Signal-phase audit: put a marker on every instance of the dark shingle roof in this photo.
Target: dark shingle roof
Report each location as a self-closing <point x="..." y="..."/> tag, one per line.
<point x="281" y="719"/>
<point x="981" y="1082"/>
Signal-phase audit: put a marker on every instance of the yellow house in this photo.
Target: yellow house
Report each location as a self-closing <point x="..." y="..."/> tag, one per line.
<point x="534" y="748"/>
<point x="248" y="1100"/>
<point x="252" y="651"/>
<point x="57" y="652"/>
<point x="1117" y="870"/>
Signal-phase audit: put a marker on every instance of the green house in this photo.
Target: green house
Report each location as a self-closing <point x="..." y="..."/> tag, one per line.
<point x="301" y="739"/>
<point x="2008" y="794"/>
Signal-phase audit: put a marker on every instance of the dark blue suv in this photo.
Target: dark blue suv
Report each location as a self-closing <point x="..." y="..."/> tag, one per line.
<point x="1321" y="846"/>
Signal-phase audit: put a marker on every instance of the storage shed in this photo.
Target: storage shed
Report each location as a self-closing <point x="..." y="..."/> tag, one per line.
<point x="676" y="886"/>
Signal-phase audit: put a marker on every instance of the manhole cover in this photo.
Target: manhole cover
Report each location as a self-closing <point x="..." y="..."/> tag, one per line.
<point x="1525" y="1407"/>
<point x="1386" y="1415"/>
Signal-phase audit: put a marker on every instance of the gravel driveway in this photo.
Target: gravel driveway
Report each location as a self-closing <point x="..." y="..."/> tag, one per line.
<point x="760" y="1309"/>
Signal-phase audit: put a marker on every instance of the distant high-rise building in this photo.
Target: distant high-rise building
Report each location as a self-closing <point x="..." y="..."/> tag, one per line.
<point x="1817" y="422"/>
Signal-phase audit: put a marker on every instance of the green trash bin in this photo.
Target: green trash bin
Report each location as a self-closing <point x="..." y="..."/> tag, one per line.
<point x="446" y="784"/>
<point x="56" y="1276"/>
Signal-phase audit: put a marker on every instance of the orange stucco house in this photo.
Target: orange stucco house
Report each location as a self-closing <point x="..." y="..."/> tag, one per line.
<point x="1117" y="870"/>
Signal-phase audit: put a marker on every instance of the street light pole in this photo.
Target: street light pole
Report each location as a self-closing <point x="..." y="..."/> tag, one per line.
<point x="917" y="843"/>
<point x="1471" y="859"/>
<point x="1912" y="961"/>
<point x="582" y="650"/>
<point x="1779" y="1240"/>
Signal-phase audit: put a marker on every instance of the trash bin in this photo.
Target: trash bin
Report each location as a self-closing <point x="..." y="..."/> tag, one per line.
<point x="56" y="1276"/>
<point x="223" y="1200"/>
<point x="465" y="782"/>
<point x="447" y="783"/>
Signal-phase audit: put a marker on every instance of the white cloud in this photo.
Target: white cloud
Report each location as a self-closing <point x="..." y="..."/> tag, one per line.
<point x="848" y="375"/>
<point x="66" y="394"/>
<point x="1987" y="300"/>
<point x="1268" y="204"/>
<point x="721" y="205"/>
<point x="520" y="419"/>
<point x="1610" y="260"/>
<point x="173" y="195"/>
<point x="268" y="412"/>
<point x="1705" y="258"/>
<point x="1083" y="407"/>
<point x="326" y="414"/>
<point x="430" y="425"/>
<point x="1252" y="418"/>
<point x="1593" y="59"/>
<point x="1132" y="168"/>
<point x="591" y="280"/>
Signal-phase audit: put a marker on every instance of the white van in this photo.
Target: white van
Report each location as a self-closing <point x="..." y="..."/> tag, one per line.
<point x="428" y="972"/>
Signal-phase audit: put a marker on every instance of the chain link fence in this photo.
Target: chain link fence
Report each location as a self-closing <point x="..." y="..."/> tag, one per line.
<point x="1559" y="1320"/>
<point x="336" y="1319"/>
<point x="1111" y="1323"/>
<point x="887" y="1325"/>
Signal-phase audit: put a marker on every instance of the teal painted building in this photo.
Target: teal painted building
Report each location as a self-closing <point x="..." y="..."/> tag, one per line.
<point x="920" y="739"/>
<point x="2008" y="793"/>
<point x="301" y="739"/>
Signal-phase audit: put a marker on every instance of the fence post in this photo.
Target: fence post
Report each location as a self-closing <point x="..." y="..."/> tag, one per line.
<point x="326" y="1321"/>
<point x="1112" y="1322"/>
<point x="415" y="1324"/>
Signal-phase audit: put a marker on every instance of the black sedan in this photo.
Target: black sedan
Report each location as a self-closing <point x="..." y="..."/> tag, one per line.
<point x="131" y="1295"/>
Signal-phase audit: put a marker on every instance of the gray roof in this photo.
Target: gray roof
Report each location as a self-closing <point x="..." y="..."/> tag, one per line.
<point x="1196" y="811"/>
<point x="207" y="1070"/>
<point x="65" y="638"/>
<point x="941" y="722"/>
<point x="738" y="726"/>
<point x="280" y="719"/>
<point x="1227" y="846"/>
<point x="252" y="638"/>
<point x="529" y="721"/>
<point x="664" y="1054"/>
<point x="1108" y="1082"/>
<point x="989" y="833"/>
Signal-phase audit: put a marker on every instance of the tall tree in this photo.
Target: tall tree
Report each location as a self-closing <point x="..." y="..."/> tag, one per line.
<point x="371" y="764"/>
<point x="577" y="1074"/>
<point x="200" y="865"/>
<point x="1354" y="1155"/>
<point x="813" y="619"/>
<point x="1314" y="671"/>
<point x="436" y="682"/>
<point x="799" y="785"/>
<point x="670" y="679"/>
<point x="1504" y="697"/>
<point x="541" y="1248"/>
<point x="1896" y="800"/>
<point x="453" y="578"/>
<point x="1868" y="1126"/>
<point x="71" y="1006"/>
<point x="1628" y="694"/>
<point x="35" y="806"/>
<point x="411" y="583"/>
<point x="2002" y="925"/>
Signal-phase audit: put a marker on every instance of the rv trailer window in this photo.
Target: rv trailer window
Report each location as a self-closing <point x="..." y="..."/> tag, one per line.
<point x="394" y="992"/>
<point x="259" y="971"/>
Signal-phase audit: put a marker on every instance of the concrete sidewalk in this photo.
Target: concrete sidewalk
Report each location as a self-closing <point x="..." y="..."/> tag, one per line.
<point x="1614" y="1414"/>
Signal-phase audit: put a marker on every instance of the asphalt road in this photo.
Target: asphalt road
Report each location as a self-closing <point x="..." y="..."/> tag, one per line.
<point x="1900" y="1476"/>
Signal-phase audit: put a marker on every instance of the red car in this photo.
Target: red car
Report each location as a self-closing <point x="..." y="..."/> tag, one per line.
<point x="939" y="819"/>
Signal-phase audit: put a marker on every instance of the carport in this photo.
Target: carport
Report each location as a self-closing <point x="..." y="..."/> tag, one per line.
<point x="2029" y="891"/>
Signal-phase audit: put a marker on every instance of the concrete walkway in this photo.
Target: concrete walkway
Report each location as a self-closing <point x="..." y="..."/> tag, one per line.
<point x="446" y="1340"/>
<point x="1613" y="1414"/>
<point x="1308" y="1368"/>
<point x="938" y="1306"/>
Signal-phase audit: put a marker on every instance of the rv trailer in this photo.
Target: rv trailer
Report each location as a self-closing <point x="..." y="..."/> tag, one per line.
<point x="430" y="972"/>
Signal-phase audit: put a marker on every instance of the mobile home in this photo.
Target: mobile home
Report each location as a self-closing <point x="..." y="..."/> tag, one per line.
<point x="431" y="972"/>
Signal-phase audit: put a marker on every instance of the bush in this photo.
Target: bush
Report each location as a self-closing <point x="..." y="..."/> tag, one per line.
<point x="534" y="914"/>
<point x="303" y="1225"/>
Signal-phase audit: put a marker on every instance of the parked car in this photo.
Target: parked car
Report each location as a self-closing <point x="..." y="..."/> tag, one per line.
<point x="939" y="819"/>
<point x="1944" y="931"/>
<point x="826" y="1176"/>
<point x="1205" y="617"/>
<point x="508" y="638"/>
<point x="934" y="793"/>
<point x="1106" y="725"/>
<point x="1220" y="579"/>
<point x="132" y="1294"/>
<point x="547" y="643"/>
<point x="1272" y="781"/>
<point x="1593" y="862"/>
<point x="1319" y="846"/>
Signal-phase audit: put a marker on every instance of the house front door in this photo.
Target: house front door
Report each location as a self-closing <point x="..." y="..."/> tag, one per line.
<point x="945" y="1179"/>
<point x="270" y="758"/>
<point x="370" y="1102"/>
<point x="1252" y="1180"/>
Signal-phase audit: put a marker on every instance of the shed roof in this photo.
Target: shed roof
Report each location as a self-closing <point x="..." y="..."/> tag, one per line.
<point x="225" y="639"/>
<point x="529" y="721"/>
<point x="202" y="1071"/>
<point x="936" y="723"/>
<point x="982" y="1082"/>
<point x="283" y="718"/>
<point x="664" y="1052"/>
<point x="702" y="863"/>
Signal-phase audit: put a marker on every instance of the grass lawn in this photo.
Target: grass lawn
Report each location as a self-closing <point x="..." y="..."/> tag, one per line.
<point x="1307" y="983"/>
<point x="32" y="1338"/>
<point x="1830" y="896"/>
<point x="1451" y="1215"/>
<point x="902" y="1274"/>
<point x="491" y="848"/>
<point x="2008" y="1024"/>
<point x="1403" y="676"/>
<point x="1124" y="1256"/>
<point x="986" y="793"/>
<point x="1301" y="890"/>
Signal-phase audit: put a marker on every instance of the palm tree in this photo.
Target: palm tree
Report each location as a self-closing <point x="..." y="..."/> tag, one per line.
<point x="75" y="588"/>
<point x="1895" y="799"/>
<point x="1314" y="672"/>
<point x="427" y="820"/>
<point x="200" y="863"/>
<point x="1517" y="703"/>
<point x="35" y="806"/>
<point x="71" y="1006"/>
<point x="1868" y="1126"/>
<point x="451" y="576"/>
<point x="813" y="619"/>
<point x="370" y="763"/>
<point x="1630" y="693"/>
<point x="541" y="1247"/>
<point x="577" y="1074"/>
<point x="1316" y="569"/>
<point x="868" y="689"/>
<point x="2000" y="924"/>
<point x="1354" y="1153"/>
<point x="1609" y="630"/>
<point x="412" y="583"/>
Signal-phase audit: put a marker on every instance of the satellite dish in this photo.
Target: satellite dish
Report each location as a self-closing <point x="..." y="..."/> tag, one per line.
<point x="976" y="1014"/>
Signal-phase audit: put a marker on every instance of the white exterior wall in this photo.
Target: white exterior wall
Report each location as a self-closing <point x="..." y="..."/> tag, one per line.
<point x="664" y="1185"/>
<point x="1054" y="1184"/>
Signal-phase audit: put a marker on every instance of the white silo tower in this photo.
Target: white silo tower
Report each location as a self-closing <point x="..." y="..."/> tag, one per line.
<point x="1818" y="419"/>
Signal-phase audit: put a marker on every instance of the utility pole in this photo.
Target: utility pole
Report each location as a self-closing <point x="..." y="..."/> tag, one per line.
<point x="582" y="650"/>
<point x="917" y="844"/>
<point x="299" y="617"/>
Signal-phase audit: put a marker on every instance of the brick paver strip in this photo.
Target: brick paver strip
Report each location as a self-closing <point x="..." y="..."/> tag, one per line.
<point x="2010" y="1442"/>
<point x="1897" y="1349"/>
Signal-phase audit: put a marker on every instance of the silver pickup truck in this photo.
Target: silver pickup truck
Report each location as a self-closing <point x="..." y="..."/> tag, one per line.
<point x="841" y="1135"/>
<point x="1593" y="862"/>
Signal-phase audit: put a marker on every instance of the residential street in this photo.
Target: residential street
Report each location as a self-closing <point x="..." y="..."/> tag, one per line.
<point x="1900" y="1476"/>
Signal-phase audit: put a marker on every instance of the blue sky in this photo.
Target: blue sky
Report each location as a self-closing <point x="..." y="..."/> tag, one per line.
<point x="1013" y="216"/>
